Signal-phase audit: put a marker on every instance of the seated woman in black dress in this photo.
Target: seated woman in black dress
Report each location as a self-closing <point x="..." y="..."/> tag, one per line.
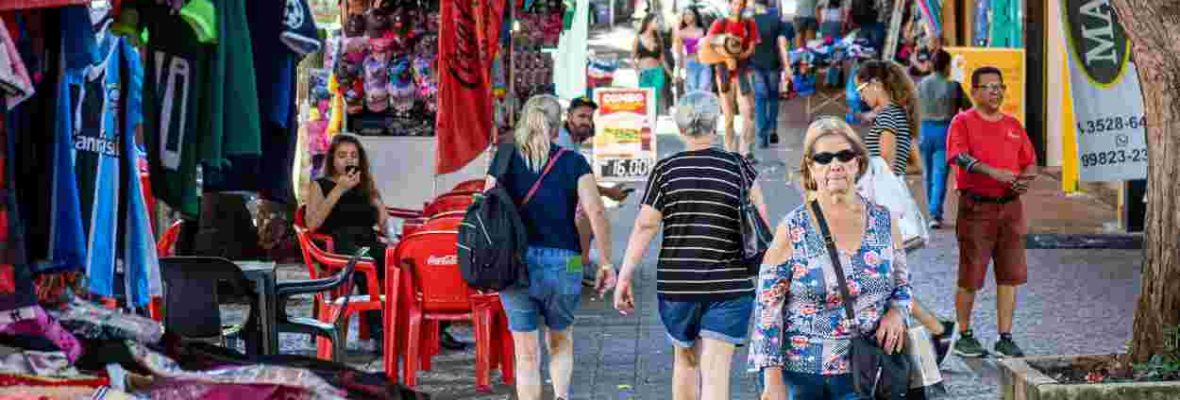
<point x="345" y="205"/>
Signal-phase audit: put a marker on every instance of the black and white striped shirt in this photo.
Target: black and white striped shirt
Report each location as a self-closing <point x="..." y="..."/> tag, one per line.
<point x="697" y="193"/>
<point x="892" y="118"/>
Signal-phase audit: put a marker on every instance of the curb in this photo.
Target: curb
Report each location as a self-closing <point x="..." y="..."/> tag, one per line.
<point x="1085" y="241"/>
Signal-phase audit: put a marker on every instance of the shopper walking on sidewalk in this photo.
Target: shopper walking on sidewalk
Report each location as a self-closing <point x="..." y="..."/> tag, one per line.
<point x="769" y="59"/>
<point x="704" y="300"/>
<point x="554" y="255"/>
<point x="733" y="76"/>
<point x="994" y="165"/>
<point x="686" y="39"/>
<point x="941" y="98"/>
<point x="801" y="335"/>
<point x="648" y="56"/>
<point x="887" y="89"/>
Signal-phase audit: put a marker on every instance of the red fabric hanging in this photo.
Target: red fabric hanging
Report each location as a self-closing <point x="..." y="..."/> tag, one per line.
<point x="7" y="5"/>
<point x="468" y="39"/>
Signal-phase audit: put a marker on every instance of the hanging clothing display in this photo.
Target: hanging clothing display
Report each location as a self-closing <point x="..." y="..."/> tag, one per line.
<point x="79" y="52"/>
<point x="16" y="284"/>
<point x="96" y="109"/>
<point x="569" y="76"/>
<point x="177" y="71"/>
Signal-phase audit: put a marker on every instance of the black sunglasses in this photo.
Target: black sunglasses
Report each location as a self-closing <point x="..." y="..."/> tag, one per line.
<point x="826" y="158"/>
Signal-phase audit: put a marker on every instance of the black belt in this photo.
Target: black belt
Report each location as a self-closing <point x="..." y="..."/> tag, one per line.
<point x="986" y="199"/>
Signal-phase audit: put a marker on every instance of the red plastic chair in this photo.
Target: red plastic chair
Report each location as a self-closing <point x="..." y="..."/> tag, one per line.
<point x="435" y="291"/>
<point x="328" y="305"/>
<point x="449" y="202"/>
<point x="165" y="247"/>
<point x="473" y="185"/>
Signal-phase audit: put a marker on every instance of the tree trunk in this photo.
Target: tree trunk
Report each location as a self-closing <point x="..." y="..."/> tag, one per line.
<point x="1154" y="29"/>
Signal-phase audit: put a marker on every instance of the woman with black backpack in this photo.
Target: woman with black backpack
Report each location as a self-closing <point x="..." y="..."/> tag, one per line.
<point x="548" y="183"/>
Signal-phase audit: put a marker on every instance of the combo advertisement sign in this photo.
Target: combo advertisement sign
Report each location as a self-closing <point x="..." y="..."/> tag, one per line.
<point x="624" y="134"/>
<point x="1107" y="100"/>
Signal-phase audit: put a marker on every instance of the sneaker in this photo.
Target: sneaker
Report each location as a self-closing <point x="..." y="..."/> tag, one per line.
<point x="774" y="138"/>
<point x="968" y="346"/>
<point x="936" y="224"/>
<point x="946" y="341"/>
<point x="1008" y="348"/>
<point x="750" y="158"/>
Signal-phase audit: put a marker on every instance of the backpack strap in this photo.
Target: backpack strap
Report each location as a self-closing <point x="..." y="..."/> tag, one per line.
<point x="537" y="185"/>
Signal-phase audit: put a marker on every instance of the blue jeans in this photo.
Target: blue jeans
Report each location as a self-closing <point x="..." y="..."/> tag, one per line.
<point x="819" y="387"/>
<point x="555" y="289"/>
<point x="723" y="320"/>
<point x="697" y="76"/>
<point x="933" y="149"/>
<point x="766" y="84"/>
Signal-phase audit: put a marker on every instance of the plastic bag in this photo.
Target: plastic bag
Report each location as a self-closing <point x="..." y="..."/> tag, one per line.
<point x="881" y="186"/>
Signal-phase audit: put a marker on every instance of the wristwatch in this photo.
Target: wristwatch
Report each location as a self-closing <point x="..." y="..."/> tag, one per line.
<point x="606" y="266"/>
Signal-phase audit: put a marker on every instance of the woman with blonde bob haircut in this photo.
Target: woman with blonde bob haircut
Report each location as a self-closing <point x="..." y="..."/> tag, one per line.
<point x="801" y="335"/>
<point x="554" y="255"/>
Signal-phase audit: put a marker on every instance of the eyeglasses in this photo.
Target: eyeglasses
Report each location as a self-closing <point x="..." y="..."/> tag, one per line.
<point x="994" y="87"/>
<point x="826" y="158"/>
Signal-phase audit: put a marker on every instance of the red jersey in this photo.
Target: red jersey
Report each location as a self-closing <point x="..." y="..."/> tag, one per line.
<point x="746" y="30"/>
<point x="1002" y="144"/>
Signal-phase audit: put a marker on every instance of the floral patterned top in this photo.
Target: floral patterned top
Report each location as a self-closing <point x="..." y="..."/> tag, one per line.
<point x="799" y="312"/>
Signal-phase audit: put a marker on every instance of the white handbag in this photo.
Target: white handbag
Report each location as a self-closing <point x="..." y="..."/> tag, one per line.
<point x="881" y="186"/>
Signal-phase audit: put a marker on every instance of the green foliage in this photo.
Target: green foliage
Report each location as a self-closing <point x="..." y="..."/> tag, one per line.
<point x="1166" y="364"/>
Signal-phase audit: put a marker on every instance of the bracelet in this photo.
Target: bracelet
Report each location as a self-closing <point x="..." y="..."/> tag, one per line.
<point x="606" y="266"/>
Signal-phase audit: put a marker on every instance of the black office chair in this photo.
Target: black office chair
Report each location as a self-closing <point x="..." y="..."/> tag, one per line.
<point x="194" y="288"/>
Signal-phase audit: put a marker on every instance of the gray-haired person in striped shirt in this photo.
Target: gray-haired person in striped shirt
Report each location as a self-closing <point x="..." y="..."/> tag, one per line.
<point x="704" y="301"/>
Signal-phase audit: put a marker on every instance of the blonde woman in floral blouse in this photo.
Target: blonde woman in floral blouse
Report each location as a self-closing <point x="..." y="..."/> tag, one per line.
<point x="800" y="340"/>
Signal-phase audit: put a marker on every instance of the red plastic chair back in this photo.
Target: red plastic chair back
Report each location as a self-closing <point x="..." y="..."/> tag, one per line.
<point x="454" y="201"/>
<point x="431" y="257"/>
<point x="166" y="246"/>
<point x="474" y="185"/>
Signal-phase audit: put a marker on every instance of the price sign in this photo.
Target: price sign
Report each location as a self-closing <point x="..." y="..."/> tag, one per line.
<point x="624" y="139"/>
<point x="623" y="169"/>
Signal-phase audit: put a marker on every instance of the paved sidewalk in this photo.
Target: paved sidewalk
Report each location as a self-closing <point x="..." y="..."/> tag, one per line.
<point x="1076" y="301"/>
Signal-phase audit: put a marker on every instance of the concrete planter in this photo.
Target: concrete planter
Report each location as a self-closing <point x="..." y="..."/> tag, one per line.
<point x="1021" y="380"/>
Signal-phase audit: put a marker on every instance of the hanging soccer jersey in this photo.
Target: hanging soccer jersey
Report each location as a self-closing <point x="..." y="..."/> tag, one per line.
<point x="174" y="71"/>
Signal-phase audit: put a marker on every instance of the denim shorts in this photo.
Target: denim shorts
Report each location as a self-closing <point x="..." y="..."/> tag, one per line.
<point x="724" y="320"/>
<point x="554" y="291"/>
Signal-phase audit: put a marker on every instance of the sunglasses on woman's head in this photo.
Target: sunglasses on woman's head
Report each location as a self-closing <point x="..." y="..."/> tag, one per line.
<point x="826" y="158"/>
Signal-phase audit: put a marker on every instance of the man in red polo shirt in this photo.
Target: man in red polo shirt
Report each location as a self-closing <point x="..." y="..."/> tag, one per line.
<point x="994" y="165"/>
